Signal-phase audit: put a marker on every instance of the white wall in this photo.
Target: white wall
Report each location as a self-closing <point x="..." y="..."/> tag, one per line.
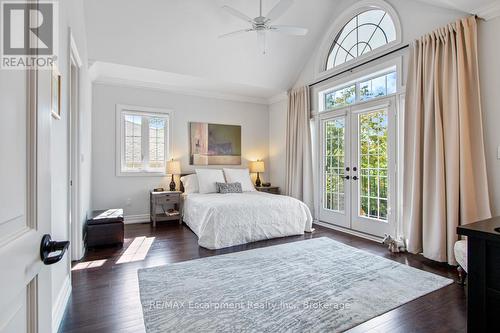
<point x="132" y="193"/>
<point x="489" y="67"/>
<point x="70" y="16"/>
<point x="277" y="143"/>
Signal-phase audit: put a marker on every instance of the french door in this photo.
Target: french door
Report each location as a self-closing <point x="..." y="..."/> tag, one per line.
<point x="358" y="167"/>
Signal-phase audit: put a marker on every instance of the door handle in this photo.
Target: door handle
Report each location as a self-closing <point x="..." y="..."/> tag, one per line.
<point x="49" y="246"/>
<point x="345" y="177"/>
<point x="355" y="178"/>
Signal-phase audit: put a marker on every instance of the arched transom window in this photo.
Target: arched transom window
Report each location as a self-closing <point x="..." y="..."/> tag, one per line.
<point x="364" y="33"/>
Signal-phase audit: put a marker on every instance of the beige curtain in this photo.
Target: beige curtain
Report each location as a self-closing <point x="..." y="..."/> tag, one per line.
<point x="445" y="182"/>
<point x="299" y="173"/>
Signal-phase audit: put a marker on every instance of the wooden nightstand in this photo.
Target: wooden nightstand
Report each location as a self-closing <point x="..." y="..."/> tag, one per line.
<point x="164" y="201"/>
<point x="268" y="189"/>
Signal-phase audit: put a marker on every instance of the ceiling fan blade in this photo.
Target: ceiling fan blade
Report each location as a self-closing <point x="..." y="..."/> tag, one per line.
<point x="261" y="39"/>
<point x="278" y="10"/>
<point x="237" y="32"/>
<point x="237" y="14"/>
<point x="289" y="30"/>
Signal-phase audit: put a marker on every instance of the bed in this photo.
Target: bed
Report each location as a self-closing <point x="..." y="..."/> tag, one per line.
<point x="223" y="220"/>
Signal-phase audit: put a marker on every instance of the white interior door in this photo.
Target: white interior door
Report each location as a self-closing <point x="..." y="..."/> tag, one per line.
<point x="25" y="282"/>
<point x="373" y="159"/>
<point x="335" y="189"/>
<point x="358" y="167"/>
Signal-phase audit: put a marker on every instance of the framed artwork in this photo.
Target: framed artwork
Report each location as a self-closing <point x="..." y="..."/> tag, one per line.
<point x="215" y="144"/>
<point x="55" y="88"/>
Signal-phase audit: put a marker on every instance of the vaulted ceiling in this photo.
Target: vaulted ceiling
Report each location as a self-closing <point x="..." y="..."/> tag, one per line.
<point x="181" y="37"/>
<point x="467" y="6"/>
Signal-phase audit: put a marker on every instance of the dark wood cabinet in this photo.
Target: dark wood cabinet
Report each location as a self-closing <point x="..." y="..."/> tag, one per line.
<point x="483" y="271"/>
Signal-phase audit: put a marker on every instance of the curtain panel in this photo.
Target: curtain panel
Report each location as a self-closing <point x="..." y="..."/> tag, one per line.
<point x="445" y="181"/>
<point x="299" y="172"/>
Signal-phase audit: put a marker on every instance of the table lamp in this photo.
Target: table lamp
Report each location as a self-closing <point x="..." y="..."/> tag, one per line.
<point x="257" y="167"/>
<point x="173" y="168"/>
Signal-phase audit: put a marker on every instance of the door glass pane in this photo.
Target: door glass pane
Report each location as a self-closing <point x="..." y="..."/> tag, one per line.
<point x="373" y="157"/>
<point x="333" y="196"/>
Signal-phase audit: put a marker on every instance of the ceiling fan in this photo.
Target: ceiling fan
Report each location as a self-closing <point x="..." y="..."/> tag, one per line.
<point x="262" y="24"/>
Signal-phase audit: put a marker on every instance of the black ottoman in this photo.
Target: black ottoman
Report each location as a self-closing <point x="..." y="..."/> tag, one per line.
<point x="105" y="227"/>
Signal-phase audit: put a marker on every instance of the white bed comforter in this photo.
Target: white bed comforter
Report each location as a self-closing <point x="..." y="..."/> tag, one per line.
<point x="222" y="220"/>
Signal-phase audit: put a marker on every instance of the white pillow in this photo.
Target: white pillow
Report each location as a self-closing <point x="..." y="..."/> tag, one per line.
<point x="207" y="179"/>
<point x="241" y="176"/>
<point x="190" y="183"/>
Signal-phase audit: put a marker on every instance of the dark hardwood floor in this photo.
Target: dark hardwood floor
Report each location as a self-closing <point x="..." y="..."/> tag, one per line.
<point x="105" y="295"/>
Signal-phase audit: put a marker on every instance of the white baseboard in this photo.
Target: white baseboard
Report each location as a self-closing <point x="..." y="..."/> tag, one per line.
<point x="133" y="219"/>
<point x="60" y="304"/>
<point x="349" y="231"/>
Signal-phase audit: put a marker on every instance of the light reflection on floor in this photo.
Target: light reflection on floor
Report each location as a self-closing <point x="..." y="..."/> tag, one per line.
<point x="137" y="250"/>
<point x="88" y="264"/>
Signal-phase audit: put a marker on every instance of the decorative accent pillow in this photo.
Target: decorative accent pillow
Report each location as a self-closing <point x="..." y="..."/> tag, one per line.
<point x="241" y="176"/>
<point x="225" y="188"/>
<point x="208" y="179"/>
<point x="190" y="183"/>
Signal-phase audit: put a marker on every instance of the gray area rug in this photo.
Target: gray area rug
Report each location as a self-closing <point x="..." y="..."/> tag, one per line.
<point x="314" y="285"/>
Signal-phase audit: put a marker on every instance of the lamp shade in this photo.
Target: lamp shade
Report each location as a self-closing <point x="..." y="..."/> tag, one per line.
<point x="173" y="167"/>
<point x="257" y="166"/>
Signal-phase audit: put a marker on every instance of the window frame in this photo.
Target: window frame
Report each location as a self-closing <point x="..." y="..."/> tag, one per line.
<point x="357" y="95"/>
<point x="356" y="78"/>
<point x="121" y="111"/>
<point x="329" y="40"/>
<point x="356" y="17"/>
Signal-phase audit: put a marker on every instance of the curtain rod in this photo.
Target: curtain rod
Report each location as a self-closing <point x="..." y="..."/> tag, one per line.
<point x="359" y="65"/>
<point x="368" y="61"/>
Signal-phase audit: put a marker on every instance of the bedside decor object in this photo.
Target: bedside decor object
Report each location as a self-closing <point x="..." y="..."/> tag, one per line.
<point x="159" y="201"/>
<point x="173" y="168"/>
<point x="159" y="189"/>
<point x="105" y="227"/>
<point x="266" y="184"/>
<point x="214" y="144"/>
<point x="268" y="189"/>
<point x="55" y="87"/>
<point x="257" y="167"/>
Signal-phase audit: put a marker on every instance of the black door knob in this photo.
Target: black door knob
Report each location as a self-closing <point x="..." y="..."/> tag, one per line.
<point x="49" y="246"/>
<point x="354" y="178"/>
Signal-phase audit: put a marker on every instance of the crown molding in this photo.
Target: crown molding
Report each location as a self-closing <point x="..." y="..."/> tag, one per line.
<point x="176" y="90"/>
<point x="137" y="77"/>
<point x="490" y="11"/>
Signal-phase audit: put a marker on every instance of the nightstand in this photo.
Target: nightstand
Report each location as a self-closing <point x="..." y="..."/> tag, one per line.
<point x="167" y="203"/>
<point x="268" y="189"/>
